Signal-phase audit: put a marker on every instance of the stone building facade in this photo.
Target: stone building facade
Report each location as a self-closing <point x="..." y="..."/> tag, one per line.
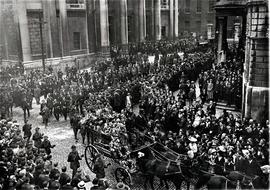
<point x="255" y="41"/>
<point x="76" y="27"/>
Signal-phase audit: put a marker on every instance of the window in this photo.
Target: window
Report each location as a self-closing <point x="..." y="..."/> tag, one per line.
<point x="187" y="25"/>
<point x="187" y="8"/>
<point x="211" y="5"/>
<point x="199" y="6"/>
<point x="77" y="40"/>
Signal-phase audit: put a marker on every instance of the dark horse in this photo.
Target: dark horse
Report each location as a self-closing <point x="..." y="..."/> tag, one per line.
<point x="212" y="181"/>
<point x="255" y="182"/>
<point x="173" y="171"/>
<point x="232" y="180"/>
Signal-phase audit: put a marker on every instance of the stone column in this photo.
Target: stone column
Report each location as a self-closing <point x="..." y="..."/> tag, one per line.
<point x="256" y="67"/>
<point x="104" y="26"/>
<point x="64" y="36"/>
<point x="124" y="24"/>
<point x="24" y="31"/>
<point x="221" y="54"/>
<point x="142" y="20"/>
<point x="175" y="18"/>
<point x="91" y="25"/>
<point x="47" y="28"/>
<point x="157" y="11"/>
<point x="209" y="31"/>
<point x="171" y="19"/>
<point x="52" y="27"/>
<point x="236" y="31"/>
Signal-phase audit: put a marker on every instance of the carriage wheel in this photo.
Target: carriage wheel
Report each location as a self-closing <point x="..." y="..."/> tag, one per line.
<point x="122" y="175"/>
<point x="89" y="154"/>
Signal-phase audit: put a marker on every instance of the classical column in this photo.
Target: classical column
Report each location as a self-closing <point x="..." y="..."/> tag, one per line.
<point x="91" y="25"/>
<point x="236" y="31"/>
<point x="171" y="20"/>
<point x="53" y="28"/>
<point x="221" y="37"/>
<point x="104" y="26"/>
<point x="142" y="20"/>
<point x="64" y="37"/>
<point x="124" y="24"/>
<point x="157" y="20"/>
<point x="209" y="31"/>
<point x="175" y="18"/>
<point x="24" y="31"/>
<point x="47" y="28"/>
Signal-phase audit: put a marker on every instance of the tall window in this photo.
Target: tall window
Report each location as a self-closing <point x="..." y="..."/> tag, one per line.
<point x="211" y="5"/>
<point x="77" y="40"/>
<point x="187" y="8"/>
<point x="199" y="6"/>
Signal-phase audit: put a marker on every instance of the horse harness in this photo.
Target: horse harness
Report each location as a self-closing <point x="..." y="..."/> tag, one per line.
<point x="171" y="173"/>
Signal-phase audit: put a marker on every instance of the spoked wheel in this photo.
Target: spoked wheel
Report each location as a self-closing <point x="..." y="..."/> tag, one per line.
<point x="122" y="175"/>
<point x="89" y="154"/>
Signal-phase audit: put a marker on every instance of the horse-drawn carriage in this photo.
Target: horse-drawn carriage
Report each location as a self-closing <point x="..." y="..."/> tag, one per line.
<point x="127" y="168"/>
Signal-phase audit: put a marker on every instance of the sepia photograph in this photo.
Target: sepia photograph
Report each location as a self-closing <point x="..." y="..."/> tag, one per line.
<point x="134" y="95"/>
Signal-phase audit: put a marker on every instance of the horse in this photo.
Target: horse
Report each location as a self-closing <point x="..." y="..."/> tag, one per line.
<point x="245" y="181"/>
<point x="212" y="181"/>
<point x="164" y="170"/>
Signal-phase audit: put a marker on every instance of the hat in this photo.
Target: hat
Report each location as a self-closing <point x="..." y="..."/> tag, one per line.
<point x="265" y="169"/>
<point x="140" y="154"/>
<point x="212" y="150"/>
<point x="192" y="139"/>
<point x="245" y="152"/>
<point x="222" y="148"/>
<point x="190" y="154"/>
<point x="81" y="184"/>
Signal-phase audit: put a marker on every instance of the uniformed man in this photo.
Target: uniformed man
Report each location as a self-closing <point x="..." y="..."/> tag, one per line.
<point x="74" y="159"/>
<point x="65" y="106"/>
<point x="57" y="108"/>
<point x="46" y="144"/>
<point x="27" y="130"/>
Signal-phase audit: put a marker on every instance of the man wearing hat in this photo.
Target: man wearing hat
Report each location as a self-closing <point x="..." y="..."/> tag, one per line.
<point x="64" y="177"/>
<point x="46" y="144"/>
<point x="220" y="161"/>
<point x="27" y="130"/>
<point x="37" y="138"/>
<point x="74" y="159"/>
<point x="99" y="167"/>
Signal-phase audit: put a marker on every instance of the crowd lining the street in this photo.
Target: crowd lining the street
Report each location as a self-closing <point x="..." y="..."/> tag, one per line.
<point x="102" y="99"/>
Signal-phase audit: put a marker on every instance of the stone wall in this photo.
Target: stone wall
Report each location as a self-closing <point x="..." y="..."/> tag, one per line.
<point x="197" y="20"/>
<point x="256" y="67"/>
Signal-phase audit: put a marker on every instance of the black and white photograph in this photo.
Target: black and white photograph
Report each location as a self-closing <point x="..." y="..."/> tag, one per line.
<point x="134" y="95"/>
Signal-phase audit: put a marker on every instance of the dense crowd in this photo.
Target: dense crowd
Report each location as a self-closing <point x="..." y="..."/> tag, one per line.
<point x="102" y="99"/>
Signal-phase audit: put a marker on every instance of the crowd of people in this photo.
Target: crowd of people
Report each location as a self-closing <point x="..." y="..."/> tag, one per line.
<point x="102" y="99"/>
